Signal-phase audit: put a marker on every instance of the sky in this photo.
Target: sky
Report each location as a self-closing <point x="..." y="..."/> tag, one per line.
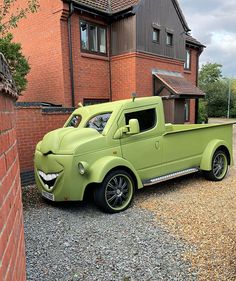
<point x="213" y="23"/>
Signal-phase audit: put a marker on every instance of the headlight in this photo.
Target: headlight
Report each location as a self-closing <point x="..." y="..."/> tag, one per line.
<point x="83" y="167"/>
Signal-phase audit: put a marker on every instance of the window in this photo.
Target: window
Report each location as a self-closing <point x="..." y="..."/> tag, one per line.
<point x="102" y="40"/>
<point x="84" y="36"/>
<point x="187" y="110"/>
<point x="156" y="35"/>
<point x="169" y="39"/>
<point x="146" y="118"/>
<point x="99" y="121"/>
<point x="187" y="64"/>
<point x="93" y="31"/>
<point x="75" y="121"/>
<point x="93" y="38"/>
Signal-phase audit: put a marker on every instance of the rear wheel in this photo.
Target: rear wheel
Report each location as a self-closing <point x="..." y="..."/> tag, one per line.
<point x="115" y="193"/>
<point x="219" y="166"/>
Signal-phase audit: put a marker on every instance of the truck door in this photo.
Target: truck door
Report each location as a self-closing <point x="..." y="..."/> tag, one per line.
<point x="143" y="150"/>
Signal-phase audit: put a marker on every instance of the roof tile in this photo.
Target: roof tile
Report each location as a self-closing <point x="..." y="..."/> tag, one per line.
<point x="179" y="85"/>
<point x="108" y="6"/>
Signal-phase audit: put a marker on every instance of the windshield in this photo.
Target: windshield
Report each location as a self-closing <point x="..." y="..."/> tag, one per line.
<point x="99" y="121"/>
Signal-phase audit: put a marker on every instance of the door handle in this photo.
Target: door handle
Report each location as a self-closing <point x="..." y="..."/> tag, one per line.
<point x="157" y="145"/>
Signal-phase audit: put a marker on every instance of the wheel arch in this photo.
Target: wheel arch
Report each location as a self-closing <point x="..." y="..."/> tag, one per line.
<point x="211" y="148"/>
<point x="104" y="166"/>
<point x="129" y="171"/>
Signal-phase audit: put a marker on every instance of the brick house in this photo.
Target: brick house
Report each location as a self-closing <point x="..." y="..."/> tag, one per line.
<point x="94" y="51"/>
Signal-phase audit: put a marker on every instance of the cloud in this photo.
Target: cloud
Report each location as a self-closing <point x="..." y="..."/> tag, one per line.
<point x="213" y="23"/>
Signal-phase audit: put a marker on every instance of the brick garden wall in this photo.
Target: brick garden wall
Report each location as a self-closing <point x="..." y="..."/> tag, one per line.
<point x="12" y="247"/>
<point x="32" y="123"/>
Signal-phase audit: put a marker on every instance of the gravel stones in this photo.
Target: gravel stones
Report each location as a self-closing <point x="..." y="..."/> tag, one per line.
<point x="75" y="241"/>
<point x="202" y="213"/>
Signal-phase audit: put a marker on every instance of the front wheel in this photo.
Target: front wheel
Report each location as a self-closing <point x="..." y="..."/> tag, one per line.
<point x="115" y="193"/>
<point x="219" y="166"/>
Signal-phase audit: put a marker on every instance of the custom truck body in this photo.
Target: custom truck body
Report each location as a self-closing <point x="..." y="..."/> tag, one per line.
<point x="114" y="148"/>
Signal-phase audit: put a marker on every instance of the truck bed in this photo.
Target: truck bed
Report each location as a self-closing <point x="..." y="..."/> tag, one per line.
<point x="171" y="129"/>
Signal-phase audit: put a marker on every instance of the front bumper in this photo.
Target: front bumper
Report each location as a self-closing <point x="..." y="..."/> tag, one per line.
<point x="69" y="185"/>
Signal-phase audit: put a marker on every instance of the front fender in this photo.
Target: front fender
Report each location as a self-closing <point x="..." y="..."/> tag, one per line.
<point x="103" y="166"/>
<point x="206" y="162"/>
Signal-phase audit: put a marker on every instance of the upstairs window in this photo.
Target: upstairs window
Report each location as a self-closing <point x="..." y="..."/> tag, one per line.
<point x="187" y="64"/>
<point x="147" y="118"/>
<point x="93" y="38"/>
<point x="156" y="35"/>
<point x="169" y="39"/>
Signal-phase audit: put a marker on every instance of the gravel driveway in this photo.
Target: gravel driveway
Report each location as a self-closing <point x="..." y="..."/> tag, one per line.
<point x="183" y="229"/>
<point x="78" y="242"/>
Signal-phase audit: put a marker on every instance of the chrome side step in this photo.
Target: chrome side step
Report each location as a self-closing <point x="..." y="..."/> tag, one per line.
<point x="170" y="176"/>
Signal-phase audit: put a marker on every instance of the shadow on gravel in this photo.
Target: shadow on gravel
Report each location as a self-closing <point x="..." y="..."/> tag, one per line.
<point x="32" y="199"/>
<point x="170" y="186"/>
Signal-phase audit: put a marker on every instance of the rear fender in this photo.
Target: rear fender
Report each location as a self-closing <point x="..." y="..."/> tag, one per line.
<point x="206" y="162"/>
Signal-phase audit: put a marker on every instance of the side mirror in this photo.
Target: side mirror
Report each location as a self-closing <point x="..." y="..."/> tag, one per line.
<point x="133" y="127"/>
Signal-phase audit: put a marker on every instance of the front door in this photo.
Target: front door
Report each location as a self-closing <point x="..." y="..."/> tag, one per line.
<point x="143" y="150"/>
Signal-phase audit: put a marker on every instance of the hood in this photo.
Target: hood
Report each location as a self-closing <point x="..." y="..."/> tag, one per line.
<point x="67" y="140"/>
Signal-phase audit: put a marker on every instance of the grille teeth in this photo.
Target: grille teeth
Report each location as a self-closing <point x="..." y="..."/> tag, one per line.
<point x="48" y="179"/>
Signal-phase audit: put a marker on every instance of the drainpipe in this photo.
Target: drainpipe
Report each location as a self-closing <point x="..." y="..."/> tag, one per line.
<point x="72" y="84"/>
<point x="197" y="100"/>
<point x="110" y="72"/>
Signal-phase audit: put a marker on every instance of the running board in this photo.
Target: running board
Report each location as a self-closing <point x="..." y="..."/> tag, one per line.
<point x="170" y="176"/>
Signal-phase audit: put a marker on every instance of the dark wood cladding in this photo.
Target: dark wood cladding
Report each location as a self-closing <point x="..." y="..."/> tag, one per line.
<point x="123" y="36"/>
<point x="160" y="14"/>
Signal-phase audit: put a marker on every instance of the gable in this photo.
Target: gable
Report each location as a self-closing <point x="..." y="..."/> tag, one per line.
<point x="164" y="16"/>
<point x="114" y="6"/>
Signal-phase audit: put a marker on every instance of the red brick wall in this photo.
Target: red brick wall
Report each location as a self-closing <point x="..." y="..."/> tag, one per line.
<point x="191" y="75"/>
<point x="123" y="76"/>
<point x="145" y="65"/>
<point x="48" y="53"/>
<point x="12" y="247"/>
<point x="31" y="126"/>
<point x="91" y="72"/>
<point x="40" y="36"/>
<point x="133" y="73"/>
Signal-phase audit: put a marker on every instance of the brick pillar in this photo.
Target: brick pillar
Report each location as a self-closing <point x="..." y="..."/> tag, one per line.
<point x="12" y="248"/>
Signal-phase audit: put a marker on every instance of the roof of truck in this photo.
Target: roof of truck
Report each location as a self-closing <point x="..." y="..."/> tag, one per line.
<point x="127" y="103"/>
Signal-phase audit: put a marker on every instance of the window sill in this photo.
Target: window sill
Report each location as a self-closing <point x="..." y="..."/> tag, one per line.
<point x="188" y="71"/>
<point x="93" y="56"/>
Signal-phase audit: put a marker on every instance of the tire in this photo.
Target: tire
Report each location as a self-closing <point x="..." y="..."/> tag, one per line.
<point x="219" y="167"/>
<point x="115" y="193"/>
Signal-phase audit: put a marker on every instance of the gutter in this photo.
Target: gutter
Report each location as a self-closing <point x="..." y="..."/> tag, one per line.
<point x="72" y="83"/>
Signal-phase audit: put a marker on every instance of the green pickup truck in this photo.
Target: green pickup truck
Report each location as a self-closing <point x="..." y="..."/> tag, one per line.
<point x="112" y="149"/>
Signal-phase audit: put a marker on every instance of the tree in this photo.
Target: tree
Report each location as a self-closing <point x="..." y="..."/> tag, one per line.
<point x="209" y="73"/>
<point x="10" y="15"/>
<point x="18" y="64"/>
<point x="215" y="88"/>
<point x="11" y="12"/>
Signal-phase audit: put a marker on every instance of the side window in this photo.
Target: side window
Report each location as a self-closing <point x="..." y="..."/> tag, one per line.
<point x="75" y="121"/>
<point x="147" y="118"/>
